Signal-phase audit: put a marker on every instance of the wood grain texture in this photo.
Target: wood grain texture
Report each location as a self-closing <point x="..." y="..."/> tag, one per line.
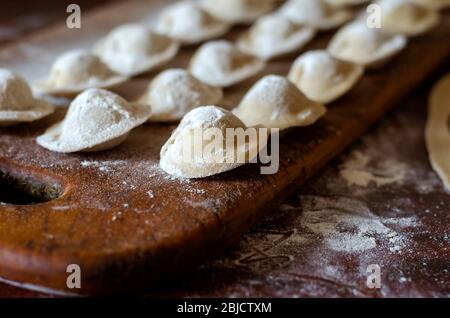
<point x="129" y="225"/>
<point x="282" y="258"/>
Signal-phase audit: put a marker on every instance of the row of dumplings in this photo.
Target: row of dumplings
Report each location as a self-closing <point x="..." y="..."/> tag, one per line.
<point x="99" y="120"/>
<point x="221" y="64"/>
<point x="132" y="49"/>
<point x="316" y="78"/>
<point x="174" y="92"/>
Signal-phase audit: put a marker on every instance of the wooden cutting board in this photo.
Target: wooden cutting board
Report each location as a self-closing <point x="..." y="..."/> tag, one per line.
<point x="124" y="221"/>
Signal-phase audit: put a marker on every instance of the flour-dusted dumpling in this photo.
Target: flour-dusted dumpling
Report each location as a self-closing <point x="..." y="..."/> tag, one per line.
<point x="132" y="49"/>
<point x="437" y="132"/>
<point x="370" y="47"/>
<point x="343" y="3"/>
<point x="175" y="92"/>
<point x="237" y="11"/>
<point x="189" y="24"/>
<point x="275" y="35"/>
<point x="315" y="13"/>
<point x="323" y="78"/>
<point x="96" y="120"/>
<point x="17" y="103"/>
<point x="221" y="64"/>
<point x="433" y="4"/>
<point x="406" y="17"/>
<point x="76" y="71"/>
<point x="274" y="102"/>
<point x="199" y="147"/>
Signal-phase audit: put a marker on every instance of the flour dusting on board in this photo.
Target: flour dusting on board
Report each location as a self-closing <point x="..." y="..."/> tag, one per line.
<point x="103" y="166"/>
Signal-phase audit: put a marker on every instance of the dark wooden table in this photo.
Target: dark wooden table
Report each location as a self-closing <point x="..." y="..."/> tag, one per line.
<point x="379" y="203"/>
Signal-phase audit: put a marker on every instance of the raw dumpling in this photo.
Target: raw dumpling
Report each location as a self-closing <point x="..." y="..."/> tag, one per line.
<point x="189" y="24"/>
<point x="96" y="120"/>
<point x="315" y="13"/>
<point x="406" y="17"/>
<point x="192" y="150"/>
<point x="220" y="63"/>
<point x="17" y="103"/>
<point x="237" y="11"/>
<point x="433" y="4"/>
<point x="274" y="102"/>
<point x="76" y="71"/>
<point x="132" y="49"/>
<point x="370" y="47"/>
<point x="437" y="133"/>
<point x="323" y="78"/>
<point x="274" y="35"/>
<point x="173" y="93"/>
<point x="342" y="3"/>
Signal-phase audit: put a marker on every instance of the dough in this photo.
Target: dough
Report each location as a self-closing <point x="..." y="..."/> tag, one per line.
<point x="437" y="133"/>
<point x="221" y="64"/>
<point x="190" y="134"/>
<point x="96" y="120"/>
<point x="132" y="49"/>
<point x="175" y="92"/>
<point x="407" y="18"/>
<point x="274" y="102"/>
<point x="237" y="11"/>
<point x="76" y="71"/>
<point x="323" y="78"/>
<point x="186" y="22"/>
<point x="433" y="4"/>
<point x="274" y="35"/>
<point x="316" y="13"/>
<point x="370" y="47"/>
<point x="17" y="103"/>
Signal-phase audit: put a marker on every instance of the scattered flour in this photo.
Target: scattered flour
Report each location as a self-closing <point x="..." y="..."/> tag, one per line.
<point x="403" y="222"/>
<point x="98" y="164"/>
<point x="105" y="165"/>
<point x="358" y="171"/>
<point x="61" y="208"/>
<point x="347" y="225"/>
<point x="317" y="228"/>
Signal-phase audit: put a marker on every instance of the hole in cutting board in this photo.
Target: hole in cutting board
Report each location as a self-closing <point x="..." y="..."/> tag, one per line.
<point x="25" y="190"/>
